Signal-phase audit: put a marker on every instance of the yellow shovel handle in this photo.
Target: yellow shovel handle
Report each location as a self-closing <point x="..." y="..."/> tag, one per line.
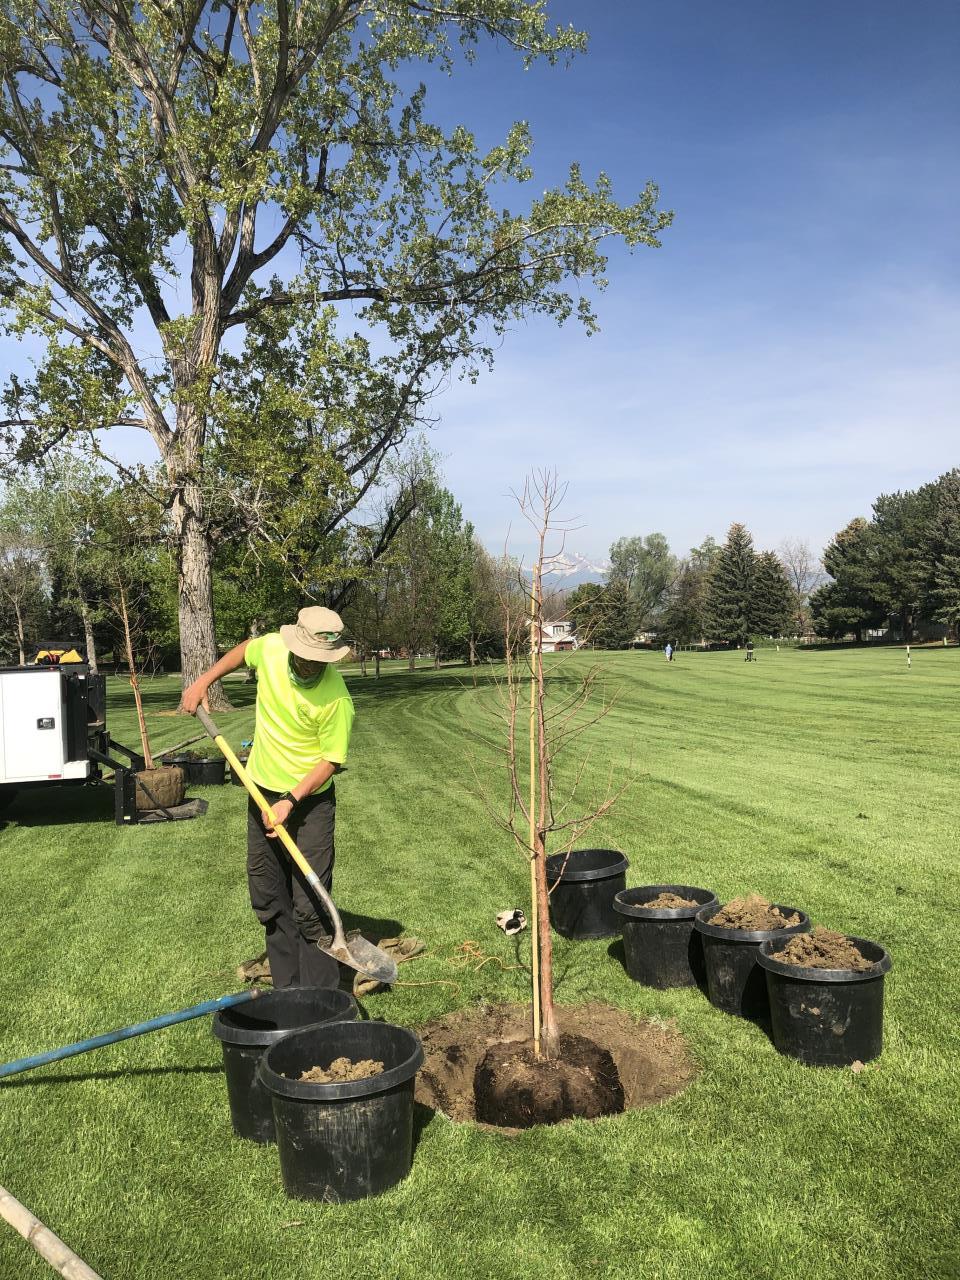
<point x="258" y="797"/>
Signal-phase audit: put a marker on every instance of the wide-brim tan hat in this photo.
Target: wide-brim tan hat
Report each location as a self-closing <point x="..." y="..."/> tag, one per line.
<point x="316" y="635"/>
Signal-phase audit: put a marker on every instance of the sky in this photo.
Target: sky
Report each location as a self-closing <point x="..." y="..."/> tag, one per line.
<point x="790" y="352"/>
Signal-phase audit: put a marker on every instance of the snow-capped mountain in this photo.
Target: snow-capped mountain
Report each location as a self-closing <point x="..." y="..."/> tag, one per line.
<point x="571" y="568"/>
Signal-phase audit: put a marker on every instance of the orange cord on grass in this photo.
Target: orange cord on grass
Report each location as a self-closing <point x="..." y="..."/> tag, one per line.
<point x="469" y="953"/>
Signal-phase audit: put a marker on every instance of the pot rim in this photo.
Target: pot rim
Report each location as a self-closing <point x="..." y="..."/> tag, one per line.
<point x="750" y="935"/>
<point x="251" y="1037"/>
<point x="806" y="973"/>
<point x="343" y="1090"/>
<point x="637" y="910"/>
<point x="573" y="875"/>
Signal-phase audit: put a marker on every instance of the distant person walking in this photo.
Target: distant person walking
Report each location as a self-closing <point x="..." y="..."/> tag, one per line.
<point x="669" y="651"/>
<point x="749" y="656"/>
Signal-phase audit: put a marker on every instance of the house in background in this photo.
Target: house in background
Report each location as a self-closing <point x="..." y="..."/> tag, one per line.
<point x="558" y="636"/>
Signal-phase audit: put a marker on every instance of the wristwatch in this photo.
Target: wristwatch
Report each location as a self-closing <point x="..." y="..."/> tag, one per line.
<point x="288" y="795"/>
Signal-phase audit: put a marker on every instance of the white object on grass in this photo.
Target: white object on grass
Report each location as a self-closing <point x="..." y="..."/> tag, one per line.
<point x="511" y="921"/>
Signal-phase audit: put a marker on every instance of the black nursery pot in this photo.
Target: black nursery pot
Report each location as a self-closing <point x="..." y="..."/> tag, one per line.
<point x="202" y="773"/>
<point x="735" y="981"/>
<point x="352" y="1139"/>
<point x="581" y="900"/>
<point x="826" y="1017"/>
<point x="661" y="947"/>
<point x="247" y="1030"/>
<point x="234" y="776"/>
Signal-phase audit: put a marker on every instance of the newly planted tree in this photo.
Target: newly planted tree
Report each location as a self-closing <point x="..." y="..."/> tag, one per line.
<point x="544" y="718"/>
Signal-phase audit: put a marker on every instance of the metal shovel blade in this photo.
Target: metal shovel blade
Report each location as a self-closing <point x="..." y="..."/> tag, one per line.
<point x="363" y="956"/>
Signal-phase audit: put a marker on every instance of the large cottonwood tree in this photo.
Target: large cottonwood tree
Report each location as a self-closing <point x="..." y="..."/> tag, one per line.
<point x="182" y="178"/>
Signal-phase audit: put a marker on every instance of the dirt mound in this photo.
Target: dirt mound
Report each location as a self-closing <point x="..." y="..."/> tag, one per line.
<point x="824" y="949"/>
<point x="651" y="1058"/>
<point x="671" y="900"/>
<point x="343" y="1069"/>
<point x="752" y="912"/>
<point x="514" y="1088"/>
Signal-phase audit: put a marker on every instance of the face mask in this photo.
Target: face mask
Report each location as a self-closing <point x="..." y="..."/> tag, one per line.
<point x="301" y="681"/>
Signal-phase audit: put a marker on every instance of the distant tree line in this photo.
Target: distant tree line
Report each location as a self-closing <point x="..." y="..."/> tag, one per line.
<point x="901" y="567"/>
<point x="722" y="594"/>
<point x="80" y="546"/>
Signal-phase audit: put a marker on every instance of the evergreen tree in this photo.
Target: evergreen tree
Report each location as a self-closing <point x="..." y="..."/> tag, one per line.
<point x="849" y="603"/>
<point x="730" y="611"/>
<point x="773" y="599"/>
<point x="943" y="551"/>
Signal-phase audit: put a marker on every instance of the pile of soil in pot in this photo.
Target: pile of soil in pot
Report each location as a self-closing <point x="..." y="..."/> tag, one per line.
<point x="650" y="1058"/>
<point x="513" y="1087"/>
<point x="671" y="901"/>
<point x="824" y="949"/>
<point x="752" y="912"/>
<point x="343" y="1069"/>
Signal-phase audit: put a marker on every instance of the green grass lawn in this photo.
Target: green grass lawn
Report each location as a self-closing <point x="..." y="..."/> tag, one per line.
<point x="826" y="781"/>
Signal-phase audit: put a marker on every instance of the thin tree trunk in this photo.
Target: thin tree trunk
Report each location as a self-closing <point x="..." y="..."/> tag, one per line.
<point x="473" y="649"/>
<point x="363" y="662"/>
<point x="89" y="641"/>
<point x="144" y="739"/>
<point x="549" y="1034"/>
<point x="376" y="664"/>
<point x="21" y="641"/>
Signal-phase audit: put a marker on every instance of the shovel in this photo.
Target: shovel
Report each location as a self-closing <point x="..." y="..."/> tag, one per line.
<point x="359" y="954"/>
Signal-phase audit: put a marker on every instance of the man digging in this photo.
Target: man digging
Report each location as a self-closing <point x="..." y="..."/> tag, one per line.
<point x="304" y="715"/>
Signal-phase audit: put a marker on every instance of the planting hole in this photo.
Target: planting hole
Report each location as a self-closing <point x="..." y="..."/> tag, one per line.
<point x="634" y="1063"/>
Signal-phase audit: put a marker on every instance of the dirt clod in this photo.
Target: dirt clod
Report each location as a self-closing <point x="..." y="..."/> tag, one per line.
<point x="512" y="1087"/>
<point x="752" y="912"/>
<point x="824" y="949"/>
<point x="343" y="1069"/>
<point x="671" y="900"/>
<point x="650" y="1058"/>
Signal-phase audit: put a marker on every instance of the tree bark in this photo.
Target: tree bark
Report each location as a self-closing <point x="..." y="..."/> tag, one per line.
<point x="198" y="645"/>
<point x="473" y="650"/>
<point x="89" y="641"/>
<point x="376" y="664"/>
<point x="20" y="636"/>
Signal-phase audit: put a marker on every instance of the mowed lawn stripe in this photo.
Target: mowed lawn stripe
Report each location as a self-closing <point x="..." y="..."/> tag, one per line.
<point x="747" y="776"/>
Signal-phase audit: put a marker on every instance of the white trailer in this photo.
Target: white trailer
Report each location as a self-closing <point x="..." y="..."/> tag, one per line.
<point x="52" y="726"/>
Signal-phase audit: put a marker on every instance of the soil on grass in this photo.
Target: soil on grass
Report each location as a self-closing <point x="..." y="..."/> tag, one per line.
<point x="752" y="912"/>
<point x="343" y="1069"/>
<point x="651" y="1058"/>
<point x="671" y="900"/>
<point x="824" y="949"/>
<point x="512" y="1087"/>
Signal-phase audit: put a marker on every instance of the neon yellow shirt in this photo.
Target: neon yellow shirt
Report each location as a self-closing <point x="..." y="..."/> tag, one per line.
<point x="296" y="727"/>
